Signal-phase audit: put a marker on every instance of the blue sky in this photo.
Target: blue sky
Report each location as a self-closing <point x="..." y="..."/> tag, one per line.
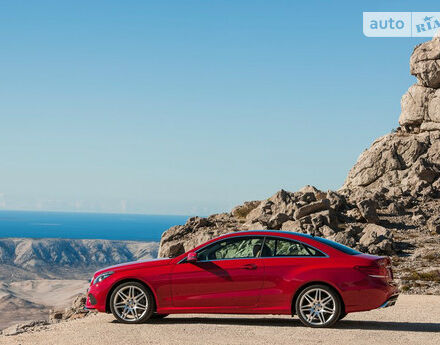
<point x="189" y="107"/>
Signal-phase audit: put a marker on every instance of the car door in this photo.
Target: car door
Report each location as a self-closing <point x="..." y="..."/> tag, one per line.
<point x="285" y="262"/>
<point x="227" y="273"/>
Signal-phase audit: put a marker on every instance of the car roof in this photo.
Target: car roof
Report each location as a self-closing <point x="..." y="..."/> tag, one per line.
<point x="274" y="232"/>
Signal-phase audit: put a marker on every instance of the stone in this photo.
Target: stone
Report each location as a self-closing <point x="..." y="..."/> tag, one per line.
<point x="327" y="231"/>
<point x="425" y="63"/>
<point x="367" y="209"/>
<point x="434" y="107"/>
<point x="198" y="222"/>
<point x="434" y="225"/>
<point x="337" y="201"/>
<point x="291" y="225"/>
<point x="242" y="211"/>
<point x="277" y="220"/>
<point x="326" y="217"/>
<point x="340" y="237"/>
<point x="430" y="126"/>
<point x="313" y="207"/>
<point x="176" y="250"/>
<point x="376" y="239"/>
<point x="313" y="190"/>
<point x="262" y="213"/>
<point x="396" y="208"/>
<point x="414" y="105"/>
<point x="258" y="226"/>
<point x="55" y="316"/>
<point x="388" y="161"/>
<point x="355" y="214"/>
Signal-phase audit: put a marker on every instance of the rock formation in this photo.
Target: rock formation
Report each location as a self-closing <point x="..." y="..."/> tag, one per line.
<point x="309" y="211"/>
<point x="75" y="311"/>
<point x="389" y="203"/>
<point x="421" y="103"/>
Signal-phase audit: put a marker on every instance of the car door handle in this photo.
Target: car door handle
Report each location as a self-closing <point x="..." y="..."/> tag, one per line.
<point x="250" y="267"/>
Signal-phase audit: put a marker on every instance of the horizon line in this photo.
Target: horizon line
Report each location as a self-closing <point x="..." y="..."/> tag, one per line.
<point x="97" y="212"/>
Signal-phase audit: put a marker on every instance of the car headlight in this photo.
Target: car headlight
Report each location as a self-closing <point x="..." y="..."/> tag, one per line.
<point x="101" y="277"/>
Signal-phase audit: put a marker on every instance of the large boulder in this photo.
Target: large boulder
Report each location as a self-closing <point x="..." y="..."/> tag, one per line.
<point x="241" y="211"/>
<point x="421" y="103"/>
<point x="367" y="209"/>
<point x="388" y="160"/>
<point x="425" y="63"/>
<point x="313" y="207"/>
<point x="414" y="105"/>
<point x="376" y="240"/>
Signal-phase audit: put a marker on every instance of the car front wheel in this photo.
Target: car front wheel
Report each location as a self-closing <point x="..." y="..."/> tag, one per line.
<point x="131" y="302"/>
<point x="318" y="306"/>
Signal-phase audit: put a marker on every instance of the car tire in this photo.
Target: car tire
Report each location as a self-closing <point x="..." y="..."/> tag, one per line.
<point x="342" y="315"/>
<point x="318" y="306"/>
<point x="131" y="302"/>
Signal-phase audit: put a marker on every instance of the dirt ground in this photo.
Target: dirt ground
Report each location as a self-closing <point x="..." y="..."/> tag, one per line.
<point x="413" y="320"/>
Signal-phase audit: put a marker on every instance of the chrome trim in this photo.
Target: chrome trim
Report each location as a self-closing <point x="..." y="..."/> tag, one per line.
<point x="262" y="257"/>
<point x="390" y="302"/>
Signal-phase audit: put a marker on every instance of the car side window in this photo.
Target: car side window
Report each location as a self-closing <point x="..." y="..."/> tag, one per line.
<point x="284" y="247"/>
<point x="232" y="248"/>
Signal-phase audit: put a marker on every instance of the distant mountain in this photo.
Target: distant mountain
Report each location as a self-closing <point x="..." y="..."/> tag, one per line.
<point x="24" y="258"/>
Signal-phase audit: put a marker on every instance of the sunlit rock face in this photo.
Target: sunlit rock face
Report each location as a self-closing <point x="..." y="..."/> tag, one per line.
<point x="421" y="103"/>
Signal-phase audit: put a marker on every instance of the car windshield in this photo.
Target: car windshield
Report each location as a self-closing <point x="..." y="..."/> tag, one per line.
<point x="338" y="246"/>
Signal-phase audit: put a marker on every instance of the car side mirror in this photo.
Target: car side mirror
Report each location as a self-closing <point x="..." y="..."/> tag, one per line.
<point x="191" y="257"/>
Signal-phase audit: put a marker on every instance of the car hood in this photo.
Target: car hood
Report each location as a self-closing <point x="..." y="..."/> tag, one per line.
<point x="134" y="264"/>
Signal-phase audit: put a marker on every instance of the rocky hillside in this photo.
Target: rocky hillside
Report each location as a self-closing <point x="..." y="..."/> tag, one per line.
<point x="65" y="258"/>
<point x="388" y="205"/>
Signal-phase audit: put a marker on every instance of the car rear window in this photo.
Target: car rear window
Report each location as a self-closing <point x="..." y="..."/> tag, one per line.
<point x="275" y="246"/>
<point x="337" y="246"/>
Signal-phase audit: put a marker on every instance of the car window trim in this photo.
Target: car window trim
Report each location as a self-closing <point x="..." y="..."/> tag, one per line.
<point x="224" y="239"/>
<point x="238" y="237"/>
<point x="325" y="255"/>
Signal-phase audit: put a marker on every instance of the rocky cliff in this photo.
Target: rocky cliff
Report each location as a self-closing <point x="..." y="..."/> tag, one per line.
<point x="389" y="203"/>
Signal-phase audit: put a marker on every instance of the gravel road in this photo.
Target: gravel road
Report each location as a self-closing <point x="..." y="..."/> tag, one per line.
<point x="414" y="320"/>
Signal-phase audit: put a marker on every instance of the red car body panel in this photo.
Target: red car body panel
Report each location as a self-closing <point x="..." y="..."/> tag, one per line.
<point x="248" y="286"/>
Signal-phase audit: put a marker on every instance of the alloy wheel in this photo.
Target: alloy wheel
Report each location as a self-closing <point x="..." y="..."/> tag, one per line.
<point x="130" y="303"/>
<point x="318" y="307"/>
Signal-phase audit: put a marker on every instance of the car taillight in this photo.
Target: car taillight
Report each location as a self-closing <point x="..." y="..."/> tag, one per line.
<point x="373" y="271"/>
<point x="378" y="269"/>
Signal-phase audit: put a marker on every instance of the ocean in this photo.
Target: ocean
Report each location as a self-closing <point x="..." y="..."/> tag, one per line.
<point x="136" y="227"/>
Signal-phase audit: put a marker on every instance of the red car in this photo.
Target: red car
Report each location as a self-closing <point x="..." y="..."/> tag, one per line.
<point x="251" y="272"/>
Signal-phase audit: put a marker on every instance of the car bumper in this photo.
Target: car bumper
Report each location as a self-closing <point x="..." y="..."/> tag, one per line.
<point x="372" y="294"/>
<point x="97" y="296"/>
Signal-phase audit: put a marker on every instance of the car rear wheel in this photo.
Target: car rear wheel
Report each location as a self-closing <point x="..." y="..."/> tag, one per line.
<point x="318" y="306"/>
<point x="131" y="302"/>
